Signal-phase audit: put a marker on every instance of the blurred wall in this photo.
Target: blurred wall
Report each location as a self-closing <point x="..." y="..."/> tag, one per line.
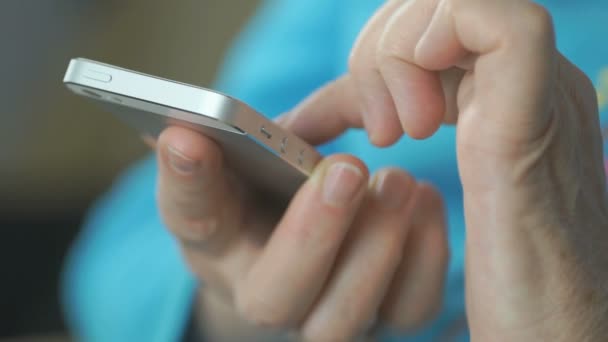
<point x="59" y="152"/>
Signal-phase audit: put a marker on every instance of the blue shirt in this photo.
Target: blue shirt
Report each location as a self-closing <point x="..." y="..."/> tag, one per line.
<point x="125" y="280"/>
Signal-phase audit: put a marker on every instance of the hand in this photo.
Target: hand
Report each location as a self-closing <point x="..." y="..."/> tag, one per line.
<point x="342" y="260"/>
<point x="528" y="145"/>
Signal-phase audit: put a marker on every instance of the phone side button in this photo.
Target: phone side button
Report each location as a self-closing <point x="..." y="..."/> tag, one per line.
<point x="265" y="132"/>
<point x="284" y="145"/>
<point x="98" y="76"/>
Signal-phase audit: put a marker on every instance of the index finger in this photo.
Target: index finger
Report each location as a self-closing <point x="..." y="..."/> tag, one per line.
<point x="424" y="37"/>
<point x="326" y="113"/>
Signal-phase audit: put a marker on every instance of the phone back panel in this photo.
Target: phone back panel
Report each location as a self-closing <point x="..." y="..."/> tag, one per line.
<point x="250" y="160"/>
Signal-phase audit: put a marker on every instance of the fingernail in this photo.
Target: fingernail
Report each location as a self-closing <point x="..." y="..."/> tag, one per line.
<point x="390" y="190"/>
<point x="342" y="182"/>
<point x="180" y="163"/>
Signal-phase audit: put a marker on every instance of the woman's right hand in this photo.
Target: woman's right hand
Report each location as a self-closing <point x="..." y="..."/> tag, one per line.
<point x="346" y="257"/>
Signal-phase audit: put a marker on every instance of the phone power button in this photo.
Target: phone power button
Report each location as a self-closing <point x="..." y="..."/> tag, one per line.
<point x="98" y="76"/>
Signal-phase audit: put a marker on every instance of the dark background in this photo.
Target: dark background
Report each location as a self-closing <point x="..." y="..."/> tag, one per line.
<point x="58" y="152"/>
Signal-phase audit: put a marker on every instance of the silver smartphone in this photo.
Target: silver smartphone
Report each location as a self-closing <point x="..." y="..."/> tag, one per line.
<point x="269" y="157"/>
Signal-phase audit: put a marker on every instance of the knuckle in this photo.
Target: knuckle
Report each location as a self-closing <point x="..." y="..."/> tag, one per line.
<point x="393" y="47"/>
<point x="358" y="58"/>
<point x="260" y="312"/>
<point x="391" y="248"/>
<point x="388" y="50"/>
<point x="355" y="63"/>
<point x="537" y="22"/>
<point x="575" y="80"/>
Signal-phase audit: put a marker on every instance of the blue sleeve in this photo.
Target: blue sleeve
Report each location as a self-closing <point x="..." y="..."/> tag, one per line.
<point x="124" y="279"/>
<point x="288" y="50"/>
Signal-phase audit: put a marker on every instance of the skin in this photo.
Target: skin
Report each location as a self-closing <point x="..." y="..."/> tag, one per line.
<point x="530" y="160"/>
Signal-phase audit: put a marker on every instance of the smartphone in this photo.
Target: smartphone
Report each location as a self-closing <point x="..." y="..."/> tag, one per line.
<point x="272" y="159"/>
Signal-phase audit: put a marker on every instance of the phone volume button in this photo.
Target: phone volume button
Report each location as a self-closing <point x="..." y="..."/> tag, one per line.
<point x="265" y="132"/>
<point x="284" y="145"/>
<point x="98" y="76"/>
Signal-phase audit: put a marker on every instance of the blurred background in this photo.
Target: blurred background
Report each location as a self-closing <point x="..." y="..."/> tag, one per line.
<point x="59" y="152"/>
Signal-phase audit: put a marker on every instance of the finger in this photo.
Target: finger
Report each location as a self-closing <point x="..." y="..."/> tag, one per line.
<point x="367" y="90"/>
<point x="286" y="279"/>
<point x="450" y="81"/>
<point x="376" y="104"/>
<point x="349" y="304"/>
<point x="360" y="98"/>
<point x="512" y="42"/>
<point x="192" y="189"/>
<point x="334" y="108"/>
<point x="325" y="114"/>
<point x="416" y="291"/>
<point x="417" y="92"/>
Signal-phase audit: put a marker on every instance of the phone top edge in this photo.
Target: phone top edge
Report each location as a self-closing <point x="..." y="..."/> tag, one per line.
<point x="225" y="109"/>
<point x="150" y="88"/>
<point x="78" y="61"/>
<point x="150" y="106"/>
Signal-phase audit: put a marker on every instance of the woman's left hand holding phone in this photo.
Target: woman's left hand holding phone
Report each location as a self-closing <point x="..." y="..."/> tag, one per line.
<point x="350" y="255"/>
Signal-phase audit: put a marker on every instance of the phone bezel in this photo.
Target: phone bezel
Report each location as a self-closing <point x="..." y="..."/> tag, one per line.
<point x="125" y="87"/>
